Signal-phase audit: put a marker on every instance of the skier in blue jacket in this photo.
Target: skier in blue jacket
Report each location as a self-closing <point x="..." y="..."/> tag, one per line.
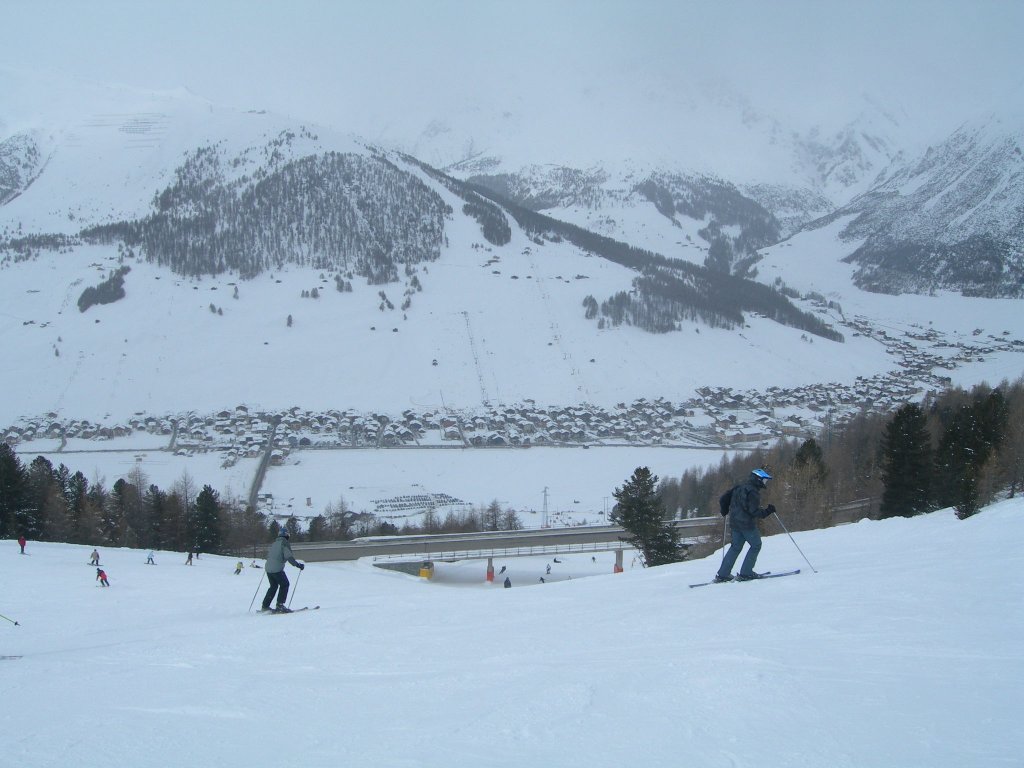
<point x="744" y="511"/>
<point x="280" y="552"/>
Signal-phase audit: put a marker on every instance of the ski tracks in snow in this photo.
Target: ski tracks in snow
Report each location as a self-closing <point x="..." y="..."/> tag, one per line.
<point x="556" y="332"/>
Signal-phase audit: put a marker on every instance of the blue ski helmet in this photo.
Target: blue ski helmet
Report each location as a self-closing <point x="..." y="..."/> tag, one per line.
<point x="284" y="534"/>
<point x="761" y="475"/>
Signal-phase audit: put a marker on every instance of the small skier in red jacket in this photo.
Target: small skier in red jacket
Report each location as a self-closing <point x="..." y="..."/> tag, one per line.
<point x="101" y="576"/>
<point x="21" y="543"/>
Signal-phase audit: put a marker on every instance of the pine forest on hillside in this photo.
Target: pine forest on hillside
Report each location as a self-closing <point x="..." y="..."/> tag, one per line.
<point x="346" y="213"/>
<point x="670" y="291"/>
<point x="960" y="449"/>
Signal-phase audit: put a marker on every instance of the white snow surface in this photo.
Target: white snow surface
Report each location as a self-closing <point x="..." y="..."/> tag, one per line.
<point x="579" y="483"/>
<point x="883" y="657"/>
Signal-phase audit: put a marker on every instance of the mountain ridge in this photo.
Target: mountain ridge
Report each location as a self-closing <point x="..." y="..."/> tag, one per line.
<point x="950" y="220"/>
<point x="495" y="309"/>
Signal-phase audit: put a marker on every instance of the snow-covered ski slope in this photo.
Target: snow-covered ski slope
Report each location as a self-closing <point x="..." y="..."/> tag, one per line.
<point x="904" y="649"/>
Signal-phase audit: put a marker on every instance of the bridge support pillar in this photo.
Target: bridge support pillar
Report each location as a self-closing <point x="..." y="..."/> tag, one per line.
<point x="618" y="561"/>
<point x="490" y="569"/>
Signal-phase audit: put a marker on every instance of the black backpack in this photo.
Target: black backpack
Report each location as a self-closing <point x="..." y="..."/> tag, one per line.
<point x="725" y="501"/>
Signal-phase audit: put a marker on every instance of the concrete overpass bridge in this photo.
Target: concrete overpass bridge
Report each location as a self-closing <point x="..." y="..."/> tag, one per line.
<point x="486" y="545"/>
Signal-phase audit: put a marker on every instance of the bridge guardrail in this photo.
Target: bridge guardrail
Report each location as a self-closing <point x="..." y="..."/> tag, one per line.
<point x="462" y="543"/>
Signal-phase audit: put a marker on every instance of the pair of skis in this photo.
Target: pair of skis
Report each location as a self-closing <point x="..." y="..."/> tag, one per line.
<point x="768" y="575"/>
<point x="293" y="610"/>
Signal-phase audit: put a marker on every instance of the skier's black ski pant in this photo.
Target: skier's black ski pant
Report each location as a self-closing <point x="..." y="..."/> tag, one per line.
<point x="278" y="581"/>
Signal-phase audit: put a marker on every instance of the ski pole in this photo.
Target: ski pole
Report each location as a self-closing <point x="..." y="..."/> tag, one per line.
<point x="10" y="620"/>
<point x="725" y="525"/>
<point x="251" y="604"/>
<point x="794" y="541"/>
<point x="292" y="597"/>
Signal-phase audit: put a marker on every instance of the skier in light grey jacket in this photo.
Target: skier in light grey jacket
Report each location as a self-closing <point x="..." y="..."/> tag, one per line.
<point x="280" y="552"/>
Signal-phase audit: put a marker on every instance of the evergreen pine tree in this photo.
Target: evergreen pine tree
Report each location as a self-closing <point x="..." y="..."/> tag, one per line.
<point x="96" y="500"/>
<point x="113" y="520"/>
<point x="956" y="477"/>
<point x="993" y="416"/>
<point x="125" y="513"/>
<point x="1011" y="451"/>
<point x="62" y="476"/>
<point x="76" y="494"/>
<point x="972" y="436"/>
<point x="809" y="454"/>
<point x="12" y="493"/>
<point x="639" y="510"/>
<point x="154" y="502"/>
<point x="53" y="506"/>
<point x="206" y="528"/>
<point x="43" y="501"/>
<point x="317" y="528"/>
<point x="906" y="464"/>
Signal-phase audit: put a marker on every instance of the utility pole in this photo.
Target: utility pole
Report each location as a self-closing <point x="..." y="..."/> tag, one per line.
<point x="544" y="517"/>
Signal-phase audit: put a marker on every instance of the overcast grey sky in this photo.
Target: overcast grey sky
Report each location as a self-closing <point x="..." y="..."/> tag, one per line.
<point x="342" y="61"/>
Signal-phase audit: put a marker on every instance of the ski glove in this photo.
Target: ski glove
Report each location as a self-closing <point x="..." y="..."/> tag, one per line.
<point x="770" y="509"/>
<point x="302" y="567"/>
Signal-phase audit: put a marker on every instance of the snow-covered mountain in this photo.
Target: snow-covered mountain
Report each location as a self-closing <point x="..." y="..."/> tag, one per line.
<point x="950" y="219"/>
<point x="728" y="180"/>
<point x="710" y="156"/>
<point x="317" y="269"/>
<point x="847" y="161"/>
<point x="933" y="211"/>
<point x="946" y="216"/>
<point x="670" y="125"/>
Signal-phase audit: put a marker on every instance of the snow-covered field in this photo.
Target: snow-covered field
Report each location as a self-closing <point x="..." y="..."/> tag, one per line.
<point x="904" y="649"/>
<point x="579" y="482"/>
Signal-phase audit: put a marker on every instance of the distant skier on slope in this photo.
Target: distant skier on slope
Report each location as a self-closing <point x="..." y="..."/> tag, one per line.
<point x="149" y="558"/>
<point x="21" y="543"/>
<point x="101" y="577"/>
<point x="280" y="552"/>
<point x="744" y="510"/>
<point x="94" y="558"/>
